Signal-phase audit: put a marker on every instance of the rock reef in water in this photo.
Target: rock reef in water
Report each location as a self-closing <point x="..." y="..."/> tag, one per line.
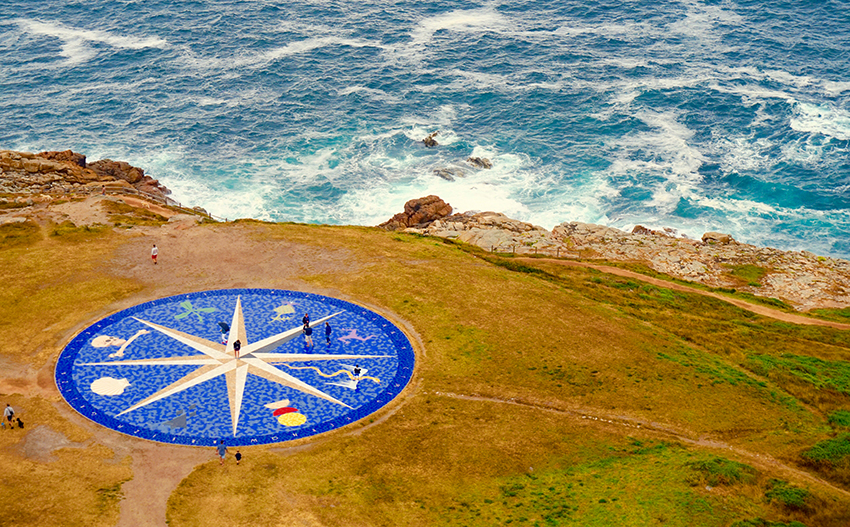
<point x="67" y="171"/>
<point x="799" y="278"/>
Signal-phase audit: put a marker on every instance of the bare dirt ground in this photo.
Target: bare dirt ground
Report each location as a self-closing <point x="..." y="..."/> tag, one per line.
<point x="197" y="258"/>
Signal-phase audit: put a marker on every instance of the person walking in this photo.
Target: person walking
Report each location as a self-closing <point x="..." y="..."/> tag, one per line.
<point x="222" y="451"/>
<point x="306" y="320"/>
<point x="154" y="253"/>
<point x="236" y="347"/>
<point x="328" y="332"/>
<point x="9" y="414"/>
<point x="238" y="457"/>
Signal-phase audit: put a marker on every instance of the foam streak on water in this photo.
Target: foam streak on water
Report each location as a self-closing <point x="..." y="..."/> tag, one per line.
<point x="714" y="115"/>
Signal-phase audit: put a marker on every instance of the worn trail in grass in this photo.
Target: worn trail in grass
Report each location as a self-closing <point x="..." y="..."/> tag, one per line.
<point x="743" y="304"/>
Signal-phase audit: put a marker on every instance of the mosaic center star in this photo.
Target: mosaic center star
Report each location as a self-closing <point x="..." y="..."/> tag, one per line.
<point x="184" y="374"/>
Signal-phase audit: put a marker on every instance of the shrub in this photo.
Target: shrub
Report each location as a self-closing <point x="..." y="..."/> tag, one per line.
<point x="830" y="451"/>
<point x="787" y="495"/>
<point x="718" y="471"/>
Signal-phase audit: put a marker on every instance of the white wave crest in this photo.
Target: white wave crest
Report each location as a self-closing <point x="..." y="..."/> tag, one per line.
<point x="822" y="119"/>
<point x="462" y="21"/>
<point x="75" y="42"/>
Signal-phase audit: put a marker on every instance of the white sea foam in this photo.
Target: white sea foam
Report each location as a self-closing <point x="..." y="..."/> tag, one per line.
<point x="76" y="42"/>
<point x="821" y="119"/>
<point x="675" y="160"/>
<point x="743" y="154"/>
<point x="835" y="88"/>
<point x="461" y="21"/>
<point x="375" y="95"/>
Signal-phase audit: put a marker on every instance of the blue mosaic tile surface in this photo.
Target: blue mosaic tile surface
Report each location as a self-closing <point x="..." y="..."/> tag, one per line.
<point x="101" y="388"/>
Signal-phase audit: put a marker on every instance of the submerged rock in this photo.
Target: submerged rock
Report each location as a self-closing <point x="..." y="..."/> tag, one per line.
<point x="449" y="174"/>
<point x="430" y="141"/>
<point x="480" y="162"/>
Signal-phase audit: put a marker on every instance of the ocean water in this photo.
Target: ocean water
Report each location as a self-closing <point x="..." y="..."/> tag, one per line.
<point x="729" y="116"/>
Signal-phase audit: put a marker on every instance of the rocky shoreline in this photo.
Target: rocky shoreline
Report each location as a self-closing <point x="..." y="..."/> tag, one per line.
<point x="66" y="171"/>
<point x="802" y="279"/>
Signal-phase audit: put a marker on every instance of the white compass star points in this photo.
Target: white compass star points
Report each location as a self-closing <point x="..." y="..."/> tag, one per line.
<point x="220" y="359"/>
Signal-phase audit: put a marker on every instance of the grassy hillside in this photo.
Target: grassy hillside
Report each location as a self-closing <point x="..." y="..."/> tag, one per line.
<point x="543" y="395"/>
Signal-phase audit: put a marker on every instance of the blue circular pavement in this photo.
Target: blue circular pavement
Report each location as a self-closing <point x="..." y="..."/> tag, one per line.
<point x="234" y="365"/>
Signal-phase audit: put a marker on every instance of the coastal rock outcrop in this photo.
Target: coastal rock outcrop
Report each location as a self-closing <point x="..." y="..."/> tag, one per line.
<point x="480" y="162"/>
<point x="68" y="171"/>
<point x="429" y="141"/>
<point x="418" y="212"/>
<point x="799" y="278"/>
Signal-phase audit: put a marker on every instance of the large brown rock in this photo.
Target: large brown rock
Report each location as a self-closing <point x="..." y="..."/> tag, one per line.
<point x="418" y="212"/>
<point x="118" y="170"/>
<point x="718" y="237"/>
<point x="66" y="156"/>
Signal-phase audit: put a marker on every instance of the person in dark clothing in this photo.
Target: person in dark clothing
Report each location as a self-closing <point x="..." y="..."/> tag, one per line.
<point x="308" y="336"/>
<point x="236" y="347"/>
<point x="328" y="332"/>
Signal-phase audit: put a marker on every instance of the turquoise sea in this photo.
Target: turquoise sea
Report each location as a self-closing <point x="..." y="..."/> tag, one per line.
<point x="729" y="116"/>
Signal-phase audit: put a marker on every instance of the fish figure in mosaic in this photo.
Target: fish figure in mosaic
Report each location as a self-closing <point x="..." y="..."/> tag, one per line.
<point x="352" y="335"/>
<point x="284" y="311"/>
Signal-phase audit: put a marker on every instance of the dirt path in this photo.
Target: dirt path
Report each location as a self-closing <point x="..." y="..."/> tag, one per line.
<point x="755" y="308"/>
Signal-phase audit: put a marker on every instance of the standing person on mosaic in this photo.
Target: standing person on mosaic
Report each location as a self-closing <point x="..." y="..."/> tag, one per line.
<point x="328" y="332"/>
<point x="236" y="347"/>
<point x="154" y="253"/>
<point x="306" y="320"/>
<point x="308" y="336"/>
<point x="221" y="450"/>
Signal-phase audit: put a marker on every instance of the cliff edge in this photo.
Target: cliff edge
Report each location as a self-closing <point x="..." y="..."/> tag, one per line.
<point x="800" y="278"/>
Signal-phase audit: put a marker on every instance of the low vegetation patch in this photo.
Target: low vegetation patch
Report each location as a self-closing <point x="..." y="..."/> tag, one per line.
<point x="19" y="234"/>
<point x="759" y="522"/>
<point x="840" y="418"/>
<point x="67" y="231"/>
<point x="787" y="495"/>
<point x="748" y="274"/>
<point x="717" y="471"/>
<point x="823" y="374"/>
<point x="837" y="315"/>
<point x="121" y="214"/>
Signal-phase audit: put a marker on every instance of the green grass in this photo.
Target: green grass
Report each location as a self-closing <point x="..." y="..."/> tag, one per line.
<point x="717" y="471"/>
<point x="627" y="487"/>
<point x="788" y="495"/>
<point x="820" y="373"/>
<point x="831" y="451"/>
<point x="840" y="418"/>
<point x="749" y="274"/>
<point x="759" y="522"/>
<point x="490" y="429"/>
<point x="838" y="315"/>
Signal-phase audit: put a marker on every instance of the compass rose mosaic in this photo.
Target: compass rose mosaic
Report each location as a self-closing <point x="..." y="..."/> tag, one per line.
<point x="247" y="366"/>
